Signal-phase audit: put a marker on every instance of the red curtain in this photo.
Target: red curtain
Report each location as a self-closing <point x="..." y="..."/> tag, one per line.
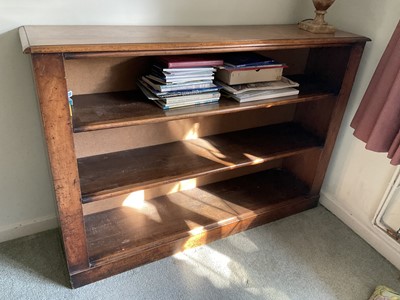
<point x="377" y="120"/>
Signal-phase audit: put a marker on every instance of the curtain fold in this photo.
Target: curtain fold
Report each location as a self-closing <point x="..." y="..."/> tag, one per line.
<point x="377" y="120"/>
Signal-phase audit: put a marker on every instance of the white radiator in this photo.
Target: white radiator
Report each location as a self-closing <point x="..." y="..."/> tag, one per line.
<point x="387" y="217"/>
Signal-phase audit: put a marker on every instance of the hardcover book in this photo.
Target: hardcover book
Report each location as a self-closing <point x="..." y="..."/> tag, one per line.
<point x="264" y="95"/>
<point x="179" y="87"/>
<point x="241" y="76"/>
<point x="246" y="59"/>
<point x="208" y="101"/>
<point x="155" y="93"/>
<point x="258" y="86"/>
<point x="189" y="61"/>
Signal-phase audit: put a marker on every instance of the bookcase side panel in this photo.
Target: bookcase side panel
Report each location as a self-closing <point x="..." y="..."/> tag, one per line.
<point x="52" y="93"/>
<point x="350" y="67"/>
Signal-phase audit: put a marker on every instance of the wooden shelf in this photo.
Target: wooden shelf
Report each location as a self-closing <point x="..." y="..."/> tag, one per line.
<point x="119" y="109"/>
<point x="196" y="216"/>
<point x="117" y="173"/>
<point x="86" y="41"/>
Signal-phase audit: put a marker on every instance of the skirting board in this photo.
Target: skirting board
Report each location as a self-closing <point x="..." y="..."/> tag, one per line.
<point x="371" y="234"/>
<point x="11" y="232"/>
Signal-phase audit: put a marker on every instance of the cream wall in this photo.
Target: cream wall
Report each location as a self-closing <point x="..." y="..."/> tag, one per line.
<point x="26" y="198"/>
<point x="357" y="179"/>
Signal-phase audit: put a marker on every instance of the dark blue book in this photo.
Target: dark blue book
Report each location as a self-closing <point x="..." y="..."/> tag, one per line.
<point x="247" y="59"/>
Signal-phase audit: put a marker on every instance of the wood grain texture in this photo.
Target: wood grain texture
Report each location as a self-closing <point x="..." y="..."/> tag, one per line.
<point x="167" y="189"/>
<point x="329" y="71"/>
<point x="122" y="172"/>
<point x="304" y="167"/>
<point x="125" y="263"/>
<point x="315" y="116"/>
<point x="173" y="223"/>
<point x="55" y="39"/>
<point x="52" y="93"/>
<point x="284" y="209"/>
<point x="121" y="109"/>
<point x="105" y="74"/>
<point x="337" y="113"/>
<point x="97" y="142"/>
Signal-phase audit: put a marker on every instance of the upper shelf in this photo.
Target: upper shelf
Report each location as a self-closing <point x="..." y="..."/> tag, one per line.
<point x="120" y="109"/>
<point x="162" y="39"/>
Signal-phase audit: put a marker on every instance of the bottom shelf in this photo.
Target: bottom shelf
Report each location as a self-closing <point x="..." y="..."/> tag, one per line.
<point x="154" y="229"/>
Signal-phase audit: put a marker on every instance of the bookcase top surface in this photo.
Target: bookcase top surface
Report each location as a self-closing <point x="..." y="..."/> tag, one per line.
<point x="86" y="39"/>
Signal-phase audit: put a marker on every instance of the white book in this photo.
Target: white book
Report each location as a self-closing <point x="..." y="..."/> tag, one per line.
<point x="179" y="87"/>
<point x="185" y="70"/>
<point x="258" y="86"/>
<point x="186" y="104"/>
<point x="180" y="79"/>
<point x="190" y="98"/>
<point x="254" y="96"/>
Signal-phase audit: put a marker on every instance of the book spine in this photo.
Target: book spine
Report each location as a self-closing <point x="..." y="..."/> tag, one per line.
<point x="193" y="64"/>
<point x="187" y="92"/>
<point x="167" y="88"/>
<point x="191" y="98"/>
<point x="252" y="68"/>
<point x="209" y="101"/>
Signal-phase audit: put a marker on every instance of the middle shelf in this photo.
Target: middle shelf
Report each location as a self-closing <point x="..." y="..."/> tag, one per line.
<point x="117" y="173"/>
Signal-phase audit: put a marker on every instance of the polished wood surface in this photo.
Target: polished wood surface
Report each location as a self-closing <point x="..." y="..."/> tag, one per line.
<point x="188" y="214"/>
<point x="120" y="109"/>
<point x="117" y="173"/>
<point x="55" y="39"/>
<point x="52" y="94"/>
<point x="126" y="262"/>
<point x="351" y="67"/>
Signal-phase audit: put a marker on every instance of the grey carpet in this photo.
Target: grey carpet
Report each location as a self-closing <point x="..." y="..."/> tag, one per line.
<point x="311" y="255"/>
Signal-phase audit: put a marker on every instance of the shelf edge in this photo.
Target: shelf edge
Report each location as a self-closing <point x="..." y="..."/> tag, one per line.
<point x="248" y="106"/>
<point x="132" y="188"/>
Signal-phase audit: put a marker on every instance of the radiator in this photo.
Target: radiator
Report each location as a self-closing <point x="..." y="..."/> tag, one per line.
<point x="387" y="217"/>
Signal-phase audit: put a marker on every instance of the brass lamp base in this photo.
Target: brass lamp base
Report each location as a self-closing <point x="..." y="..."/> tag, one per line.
<point x="311" y="26"/>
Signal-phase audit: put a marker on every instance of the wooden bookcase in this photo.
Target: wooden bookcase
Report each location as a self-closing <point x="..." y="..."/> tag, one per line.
<point x="135" y="184"/>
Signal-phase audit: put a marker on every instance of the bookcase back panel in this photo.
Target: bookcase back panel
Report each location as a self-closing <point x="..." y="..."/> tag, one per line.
<point x="104" y="74"/>
<point x="329" y="65"/>
<point x="294" y="59"/>
<point x="304" y="166"/>
<point x="110" y="74"/>
<point x="315" y="116"/>
<point x="119" y="139"/>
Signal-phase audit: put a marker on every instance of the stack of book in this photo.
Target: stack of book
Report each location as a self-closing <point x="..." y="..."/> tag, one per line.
<point x="249" y="76"/>
<point x="181" y="81"/>
<point x="260" y="90"/>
